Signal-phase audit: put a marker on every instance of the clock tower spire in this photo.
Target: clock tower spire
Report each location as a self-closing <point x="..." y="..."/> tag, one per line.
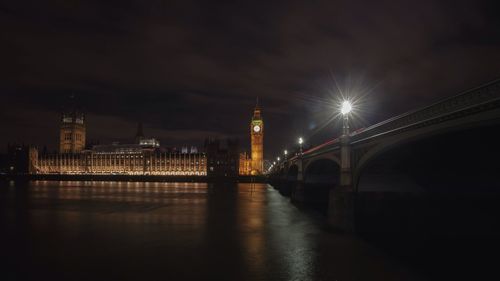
<point x="257" y="141"/>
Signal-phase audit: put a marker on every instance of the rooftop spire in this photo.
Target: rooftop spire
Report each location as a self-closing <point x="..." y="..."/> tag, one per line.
<point x="256" y="111"/>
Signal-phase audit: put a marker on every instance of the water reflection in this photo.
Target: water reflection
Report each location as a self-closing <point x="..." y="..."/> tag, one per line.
<point x="251" y="219"/>
<point x="173" y="231"/>
<point x="122" y="202"/>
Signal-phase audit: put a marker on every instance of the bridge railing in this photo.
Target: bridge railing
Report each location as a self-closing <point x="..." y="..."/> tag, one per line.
<point x="472" y="98"/>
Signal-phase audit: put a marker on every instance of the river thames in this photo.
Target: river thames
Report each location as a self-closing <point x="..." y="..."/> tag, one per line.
<point x="175" y="231"/>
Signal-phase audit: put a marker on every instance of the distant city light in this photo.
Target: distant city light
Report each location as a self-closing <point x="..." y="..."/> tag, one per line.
<point x="285" y="152"/>
<point x="301" y="141"/>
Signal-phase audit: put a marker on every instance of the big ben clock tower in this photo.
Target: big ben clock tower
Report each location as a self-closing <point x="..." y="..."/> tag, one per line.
<point x="257" y="141"/>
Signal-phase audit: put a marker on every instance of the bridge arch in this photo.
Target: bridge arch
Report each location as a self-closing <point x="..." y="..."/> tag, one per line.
<point x="431" y="182"/>
<point x="320" y="176"/>
<point x="322" y="171"/>
<point x="330" y="156"/>
<point x="385" y="144"/>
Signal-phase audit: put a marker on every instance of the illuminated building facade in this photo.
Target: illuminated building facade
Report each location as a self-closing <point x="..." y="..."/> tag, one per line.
<point x="124" y="161"/>
<point x="145" y="157"/>
<point x="245" y="164"/>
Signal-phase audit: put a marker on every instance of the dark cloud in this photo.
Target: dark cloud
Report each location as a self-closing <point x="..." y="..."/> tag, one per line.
<point x="191" y="69"/>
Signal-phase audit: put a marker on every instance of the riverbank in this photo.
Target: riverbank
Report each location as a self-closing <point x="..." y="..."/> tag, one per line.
<point x="138" y="178"/>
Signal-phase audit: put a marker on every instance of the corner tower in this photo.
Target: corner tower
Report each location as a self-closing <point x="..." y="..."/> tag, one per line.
<point x="72" y="131"/>
<point x="257" y="141"/>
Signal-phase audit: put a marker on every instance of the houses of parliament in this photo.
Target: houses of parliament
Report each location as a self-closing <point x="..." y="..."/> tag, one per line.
<point x="145" y="156"/>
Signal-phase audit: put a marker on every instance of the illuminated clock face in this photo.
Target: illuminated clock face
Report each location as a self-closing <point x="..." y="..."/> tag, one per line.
<point x="256" y="128"/>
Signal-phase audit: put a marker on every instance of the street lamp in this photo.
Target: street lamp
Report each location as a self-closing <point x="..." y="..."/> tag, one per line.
<point x="345" y="109"/>
<point x="301" y="141"/>
<point x="278" y="158"/>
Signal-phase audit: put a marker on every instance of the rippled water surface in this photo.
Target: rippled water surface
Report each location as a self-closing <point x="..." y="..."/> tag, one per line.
<point x="174" y="231"/>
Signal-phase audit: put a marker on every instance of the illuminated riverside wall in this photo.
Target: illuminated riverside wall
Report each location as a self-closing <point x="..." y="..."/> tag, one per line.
<point x="140" y="163"/>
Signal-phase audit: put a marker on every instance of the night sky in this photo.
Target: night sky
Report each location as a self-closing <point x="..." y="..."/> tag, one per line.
<point x="193" y="69"/>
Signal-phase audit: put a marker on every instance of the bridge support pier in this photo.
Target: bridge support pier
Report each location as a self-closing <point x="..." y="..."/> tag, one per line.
<point x="341" y="201"/>
<point x="341" y="210"/>
<point x="298" y="191"/>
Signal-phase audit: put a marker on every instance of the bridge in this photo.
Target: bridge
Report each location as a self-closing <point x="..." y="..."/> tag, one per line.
<point x="442" y="148"/>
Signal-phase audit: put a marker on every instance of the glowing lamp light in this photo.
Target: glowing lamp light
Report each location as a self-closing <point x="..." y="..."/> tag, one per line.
<point x="285" y="152"/>
<point x="346" y="107"/>
<point x="301" y="141"/>
<point x="278" y="158"/>
<point x="274" y="163"/>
